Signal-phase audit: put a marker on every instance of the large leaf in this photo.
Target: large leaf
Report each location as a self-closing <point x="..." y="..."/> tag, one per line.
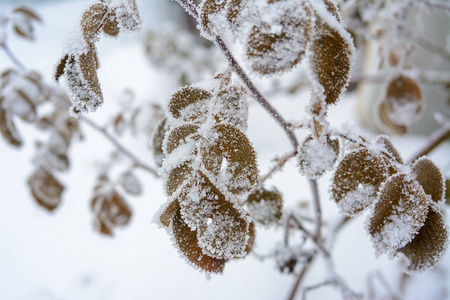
<point x="399" y="213"/>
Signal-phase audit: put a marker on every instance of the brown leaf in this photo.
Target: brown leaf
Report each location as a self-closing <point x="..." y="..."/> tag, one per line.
<point x="61" y="67"/>
<point x="265" y="206"/>
<point x="399" y="213"/>
<point x="389" y="148"/>
<point x="230" y="146"/>
<point x="357" y="180"/>
<point x="234" y="8"/>
<point x="28" y="12"/>
<point x="187" y="242"/>
<point x="102" y="227"/>
<point x="169" y="212"/>
<point x="386" y="122"/>
<point x="188" y="103"/>
<point x="88" y="64"/>
<point x="429" y="245"/>
<point x="178" y="136"/>
<point x="430" y="178"/>
<point x="8" y="129"/>
<point x="207" y="8"/>
<point x="111" y="26"/>
<point x="178" y="176"/>
<point x="316" y="156"/>
<point x="157" y="141"/>
<point x="93" y="20"/>
<point x="111" y="208"/>
<point x="24" y="29"/>
<point x="46" y="189"/>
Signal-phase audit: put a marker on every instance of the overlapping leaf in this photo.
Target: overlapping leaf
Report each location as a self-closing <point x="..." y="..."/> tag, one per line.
<point x="315" y="156"/>
<point x="188" y="104"/>
<point x="265" y="206"/>
<point x="8" y="129"/>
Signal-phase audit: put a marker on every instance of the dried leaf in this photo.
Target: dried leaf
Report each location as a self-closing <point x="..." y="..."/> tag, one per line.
<point x="231" y="107"/>
<point x="24" y="29"/>
<point x="102" y="227"/>
<point x="389" y="148"/>
<point x="111" y="208"/>
<point x="93" y="20"/>
<point x="8" y="129"/>
<point x="330" y="59"/>
<point x="61" y="67"/>
<point x="179" y="135"/>
<point x="229" y="155"/>
<point x="333" y="9"/>
<point x="178" y="176"/>
<point x="46" y="189"/>
<point x="28" y="12"/>
<point x="157" y="141"/>
<point x="88" y="64"/>
<point x="265" y="206"/>
<point x="316" y="156"/>
<point x="251" y="239"/>
<point x="399" y="213"/>
<point x="233" y="10"/>
<point x="357" y="180"/>
<point x="128" y="16"/>
<point x="188" y="103"/>
<point x="429" y="245"/>
<point x="111" y="26"/>
<point x="187" y="242"/>
<point x="403" y="101"/>
<point x="169" y="212"/>
<point x="430" y="178"/>
<point x="207" y="9"/>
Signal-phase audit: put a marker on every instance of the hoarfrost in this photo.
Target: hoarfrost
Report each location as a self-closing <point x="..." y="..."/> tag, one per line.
<point x="355" y="201"/>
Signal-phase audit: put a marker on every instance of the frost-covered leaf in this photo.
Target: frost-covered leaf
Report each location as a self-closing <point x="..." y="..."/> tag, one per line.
<point x="92" y="21"/>
<point x="315" y="156"/>
<point x="46" y="189"/>
<point x="8" y="129"/>
<point x="187" y="242"/>
<point x="277" y="47"/>
<point x="111" y="208"/>
<point x="389" y="148"/>
<point x="265" y="206"/>
<point x="386" y="123"/>
<point x="130" y="183"/>
<point x="330" y="58"/>
<point x="333" y="9"/>
<point x="429" y="245"/>
<point x="179" y="135"/>
<point x="61" y="66"/>
<point x="251" y="238"/>
<point x="357" y="180"/>
<point x="23" y="21"/>
<point x="169" y="212"/>
<point x="229" y="156"/>
<point x="157" y="141"/>
<point x="209" y="10"/>
<point x="430" y="178"/>
<point x="234" y="10"/>
<point x="188" y="103"/>
<point x="55" y="160"/>
<point x="403" y="101"/>
<point x="111" y="26"/>
<point x="447" y="191"/>
<point x="398" y="214"/>
<point x="222" y="227"/>
<point x="231" y="107"/>
<point x="128" y="16"/>
<point x="178" y="176"/>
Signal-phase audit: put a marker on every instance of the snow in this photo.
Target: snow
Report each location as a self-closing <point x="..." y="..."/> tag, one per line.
<point x="59" y="256"/>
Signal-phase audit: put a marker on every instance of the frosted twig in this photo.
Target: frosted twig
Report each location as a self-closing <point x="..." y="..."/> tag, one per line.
<point x="435" y="140"/>
<point x="12" y="56"/>
<point x="317" y="209"/>
<point x="280" y="162"/>
<point x="316" y="286"/>
<point x="317" y="242"/>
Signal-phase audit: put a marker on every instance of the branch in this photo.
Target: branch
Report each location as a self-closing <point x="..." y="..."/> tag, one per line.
<point x="317" y="209"/>
<point x="435" y="140"/>
<point x="12" y="56"/>
<point x="317" y="242"/>
<point x="299" y="278"/>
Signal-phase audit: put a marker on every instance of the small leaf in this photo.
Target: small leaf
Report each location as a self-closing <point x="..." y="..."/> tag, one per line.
<point x="316" y="156"/>
<point x="178" y="176"/>
<point x="119" y="124"/>
<point x="429" y="245"/>
<point x="179" y="135"/>
<point x="233" y="11"/>
<point x="389" y="148"/>
<point x="61" y="67"/>
<point x="111" y="208"/>
<point x="330" y="59"/>
<point x="88" y="64"/>
<point x="188" y="103"/>
<point x="46" y="189"/>
<point x="230" y="157"/>
<point x="157" y="141"/>
<point x="130" y="183"/>
<point x="399" y="213"/>
<point x="128" y="16"/>
<point x="187" y="242"/>
<point x="169" y="212"/>
<point x="357" y="180"/>
<point x="92" y="21"/>
<point x="207" y="9"/>
<point x="430" y="178"/>
<point x="24" y="29"/>
<point x="403" y="101"/>
<point x="265" y="206"/>
<point x="8" y="129"/>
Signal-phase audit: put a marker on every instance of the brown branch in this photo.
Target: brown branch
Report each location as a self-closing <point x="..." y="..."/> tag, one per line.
<point x="317" y="209"/>
<point x="300" y="277"/>
<point x="435" y="140"/>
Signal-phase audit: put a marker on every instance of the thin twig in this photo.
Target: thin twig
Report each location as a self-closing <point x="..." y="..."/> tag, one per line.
<point x="137" y="162"/>
<point x="300" y="277"/>
<point x="317" y="209"/>
<point x="435" y="140"/>
<point x="12" y="56"/>
<point x="316" y="286"/>
<point x="317" y="242"/>
<point x="281" y="161"/>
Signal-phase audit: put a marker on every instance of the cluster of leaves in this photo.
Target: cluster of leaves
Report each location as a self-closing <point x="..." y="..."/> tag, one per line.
<point x="408" y="200"/>
<point x="79" y="63"/>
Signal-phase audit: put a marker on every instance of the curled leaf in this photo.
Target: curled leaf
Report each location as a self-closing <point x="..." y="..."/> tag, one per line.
<point x="265" y="206"/>
<point x="46" y="189"/>
<point x="430" y="178"/>
<point x="111" y="26"/>
<point x="385" y="122"/>
<point x="111" y="208"/>
<point x="230" y="157"/>
<point x="399" y="213"/>
<point x="429" y="245"/>
<point x="357" y="180"/>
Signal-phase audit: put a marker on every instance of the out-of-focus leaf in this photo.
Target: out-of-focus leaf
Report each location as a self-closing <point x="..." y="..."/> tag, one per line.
<point x="46" y="189"/>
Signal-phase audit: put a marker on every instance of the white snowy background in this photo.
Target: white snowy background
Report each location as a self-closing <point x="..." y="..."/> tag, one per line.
<point x="59" y="256"/>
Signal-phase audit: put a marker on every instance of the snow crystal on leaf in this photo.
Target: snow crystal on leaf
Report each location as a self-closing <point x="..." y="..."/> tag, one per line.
<point x="429" y="245"/>
<point x="265" y="206"/>
<point x="398" y="214"/>
<point x="231" y="107"/>
<point x="389" y="148"/>
<point x="128" y="16"/>
<point x="46" y="189"/>
<point x="178" y="136"/>
<point x="189" y="104"/>
<point x="430" y="178"/>
<point x="316" y="156"/>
